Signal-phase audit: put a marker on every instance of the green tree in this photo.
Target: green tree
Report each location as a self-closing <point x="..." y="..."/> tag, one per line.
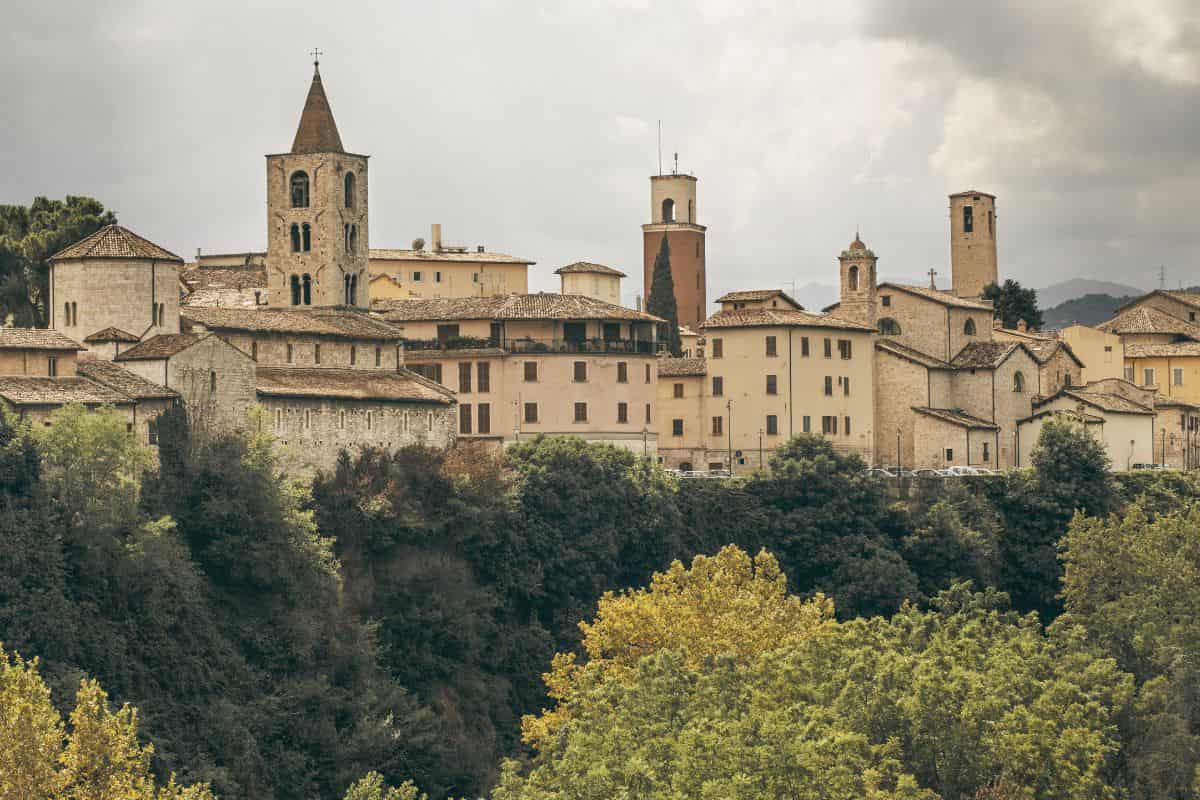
<point x="372" y="787"/>
<point x="661" y="302"/>
<point x="1013" y="304"/>
<point x="29" y="235"/>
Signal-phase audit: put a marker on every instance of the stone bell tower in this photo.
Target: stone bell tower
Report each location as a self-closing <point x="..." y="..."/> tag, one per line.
<point x="317" y="237"/>
<point x="673" y="214"/>
<point x="973" y="242"/>
<point x="858" y="283"/>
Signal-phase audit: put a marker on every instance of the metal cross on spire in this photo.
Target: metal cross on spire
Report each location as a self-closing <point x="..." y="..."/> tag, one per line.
<point x="316" y="54"/>
<point x="932" y="278"/>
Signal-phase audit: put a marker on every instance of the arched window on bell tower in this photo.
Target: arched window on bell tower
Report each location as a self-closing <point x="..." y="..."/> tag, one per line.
<point x="349" y="189"/>
<point x="295" y="238"/>
<point x="307" y="286"/>
<point x="852" y="278"/>
<point x="306" y="229"/>
<point x="354" y="238"/>
<point x="299" y="189"/>
<point x="668" y="210"/>
<point x="295" y="282"/>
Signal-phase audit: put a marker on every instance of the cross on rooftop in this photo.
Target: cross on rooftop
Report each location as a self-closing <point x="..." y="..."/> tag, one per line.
<point x="932" y="278"/>
<point x="316" y="54"/>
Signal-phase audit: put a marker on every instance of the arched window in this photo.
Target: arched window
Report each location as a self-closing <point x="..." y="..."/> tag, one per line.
<point x="295" y="290"/>
<point x="299" y="186"/>
<point x="295" y="238"/>
<point x="691" y="211"/>
<point x="969" y="328"/>
<point x="1019" y="383"/>
<point x="346" y="237"/>
<point x="852" y="279"/>
<point x="212" y="381"/>
<point x="353" y="238"/>
<point x="74" y="313"/>
<point x="349" y="186"/>
<point x="307" y="284"/>
<point x="66" y="314"/>
<point x="307" y="235"/>
<point x="353" y="290"/>
<point x="889" y="327"/>
<point x="668" y="210"/>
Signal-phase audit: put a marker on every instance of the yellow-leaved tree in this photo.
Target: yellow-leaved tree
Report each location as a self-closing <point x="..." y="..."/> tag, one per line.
<point x="730" y="605"/>
<point x="97" y="758"/>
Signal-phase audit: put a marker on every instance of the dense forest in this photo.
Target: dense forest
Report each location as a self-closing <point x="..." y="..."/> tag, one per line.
<point x="806" y="632"/>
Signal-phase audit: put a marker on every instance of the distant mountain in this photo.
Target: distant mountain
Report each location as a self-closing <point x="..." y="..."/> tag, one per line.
<point x="1080" y="288"/>
<point x="1091" y="309"/>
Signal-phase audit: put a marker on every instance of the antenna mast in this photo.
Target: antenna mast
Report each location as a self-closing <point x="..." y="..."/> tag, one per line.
<point x="660" y="147"/>
<point x="1162" y="277"/>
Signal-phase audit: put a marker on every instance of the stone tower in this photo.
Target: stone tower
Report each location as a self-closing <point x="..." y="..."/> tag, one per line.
<point x="972" y="242"/>
<point x="673" y="214"/>
<point x="317" y="239"/>
<point x="857" y="302"/>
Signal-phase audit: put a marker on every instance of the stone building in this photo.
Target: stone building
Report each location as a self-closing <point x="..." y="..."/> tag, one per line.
<point x="973" y="261"/>
<point x="437" y="269"/>
<point x="1123" y="425"/>
<point x="591" y="280"/>
<point x="674" y="216"/>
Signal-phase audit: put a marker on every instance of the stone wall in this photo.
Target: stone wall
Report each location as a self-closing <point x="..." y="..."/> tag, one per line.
<point x="923" y="323"/>
<point x="36" y="362"/>
<point x="118" y="293"/>
<point x="271" y="350"/>
<point x="902" y="384"/>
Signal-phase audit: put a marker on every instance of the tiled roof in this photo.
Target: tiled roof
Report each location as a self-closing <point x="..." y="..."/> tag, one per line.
<point x="897" y="349"/>
<point x="224" y="286"/>
<point x="543" y="305"/>
<point x="317" y="132"/>
<point x="1147" y="319"/>
<point x="1171" y="350"/>
<point x="351" y="384"/>
<point x="757" y="295"/>
<point x="681" y="367"/>
<point x="338" y="322"/>
<point x="971" y="192"/>
<point x="1105" y="401"/>
<point x="984" y="355"/>
<point x="1089" y="419"/>
<point x="162" y="346"/>
<point x="1045" y="349"/>
<point x="1162" y="401"/>
<point x="586" y="266"/>
<point x="26" y="391"/>
<point x="771" y="317"/>
<point x="110" y="334"/>
<point x="956" y="416"/>
<point x="113" y="241"/>
<point x="35" y="339"/>
<point x="938" y="296"/>
<point x="119" y="379"/>
<point x="463" y="256"/>
<point x="1187" y="298"/>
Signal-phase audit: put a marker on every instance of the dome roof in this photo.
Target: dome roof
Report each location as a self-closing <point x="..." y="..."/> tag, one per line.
<point x="857" y="244"/>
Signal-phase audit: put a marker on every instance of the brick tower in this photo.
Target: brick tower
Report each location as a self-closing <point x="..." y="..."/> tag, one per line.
<point x="317" y="240"/>
<point x="972" y="242"/>
<point x="673" y="214"/>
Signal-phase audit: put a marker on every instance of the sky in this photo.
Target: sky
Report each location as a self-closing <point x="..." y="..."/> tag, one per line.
<point x="531" y="128"/>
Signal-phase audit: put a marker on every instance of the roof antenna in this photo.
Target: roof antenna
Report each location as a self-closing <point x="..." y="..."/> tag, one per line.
<point x="1162" y="277"/>
<point x="676" y="171"/>
<point x="660" y="147"/>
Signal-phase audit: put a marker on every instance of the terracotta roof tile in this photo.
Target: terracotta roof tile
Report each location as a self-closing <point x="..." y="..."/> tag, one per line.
<point x="162" y="346"/>
<point x="110" y="334"/>
<point x="757" y="295"/>
<point x="351" y="384"/>
<point x="681" y="367"/>
<point x="342" y="323"/>
<point x="985" y="355"/>
<point x="897" y="349"/>
<point x="1147" y="319"/>
<point x="585" y="266"/>
<point x="1045" y="349"/>
<point x="956" y="416"/>
<point x="35" y="339"/>
<point x="1105" y="401"/>
<point x="544" y="305"/>
<point x="778" y="317"/>
<point x="1171" y="350"/>
<point x="26" y="391"/>
<point x="113" y="241"/>
<point x="119" y="379"/>
<point x="460" y="256"/>
<point x="938" y="296"/>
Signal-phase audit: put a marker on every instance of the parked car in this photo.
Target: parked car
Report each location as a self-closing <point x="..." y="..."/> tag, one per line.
<point x="881" y="472"/>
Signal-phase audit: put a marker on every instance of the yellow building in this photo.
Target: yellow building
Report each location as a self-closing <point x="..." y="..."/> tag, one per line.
<point x="522" y="365"/>
<point x="441" y="270"/>
<point x="1102" y="353"/>
<point x="1161" y="343"/>
<point x="591" y="280"/>
<point x="1123" y="425"/>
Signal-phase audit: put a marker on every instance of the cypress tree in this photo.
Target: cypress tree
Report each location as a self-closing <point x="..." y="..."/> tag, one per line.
<point x="661" y="302"/>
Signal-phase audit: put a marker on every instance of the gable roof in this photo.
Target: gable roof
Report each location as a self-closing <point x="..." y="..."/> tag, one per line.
<point x="986" y="355"/>
<point x="161" y="346"/>
<point x="586" y="266"/>
<point x="1105" y="401"/>
<point x="342" y="323"/>
<point x="757" y="295"/>
<point x="778" y="317"/>
<point x="35" y="339"/>
<point x="119" y="379"/>
<point x="113" y="241"/>
<point x="351" y="384"/>
<point x="681" y="367"/>
<point x="317" y="132"/>
<point x="1187" y="298"/>
<point x="916" y="356"/>
<point x="1164" y="350"/>
<point x="23" y="390"/>
<point x="938" y="296"/>
<point x="455" y="255"/>
<point x="540" y="306"/>
<point x="956" y="416"/>
<point x="1045" y="349"/>
<point x="1147" y="319"/>
<point x="110" y="334"/>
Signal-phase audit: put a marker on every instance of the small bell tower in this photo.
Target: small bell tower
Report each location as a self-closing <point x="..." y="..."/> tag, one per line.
<point x="858" y="283"/>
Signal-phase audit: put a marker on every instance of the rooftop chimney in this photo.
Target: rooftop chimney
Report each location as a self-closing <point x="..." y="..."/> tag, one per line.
<point x="479" y="249"/>
<point x="435" y="237"/>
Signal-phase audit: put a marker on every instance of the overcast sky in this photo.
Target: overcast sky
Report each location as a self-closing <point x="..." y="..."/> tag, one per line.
<point x="531" y="127"/>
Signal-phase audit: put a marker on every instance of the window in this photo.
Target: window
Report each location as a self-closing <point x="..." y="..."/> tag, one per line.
<point x="772" y="425"/>
<point x="316" y="354"/>
<point x="991" y="226"/>
<point x="846" y="385"/>
<point x="987" y="452"/>
<point x="464" y="417"/>
<point x="342" y="420"/>
<point x="289" y="354"/>
<point x="307" y="419"/>
<point x="623" y="413"/>
<point x="845" y="349"/>
<point x="437" y="277"/>
<point x="581" y="412"/>
<point x="306" y="287"/>
<point x="677" y="390"/>
<point x="1129" y="374"/>
<point x="212" y="381"/>
<point x="1177" y="377"/>
<point x="531" y="412"/>
<point x="829" y="425"/>
<point x="353" y="354"/>
<point x="846" y="425"/>
<point x="306" y="236"/>
<point x="852" y="279"/>
<point x="74" y="313"/>
<point x="52" y="366"/>
<point x="949" y="454"/>
<point x="804" y="346"/>
<point x="969" y="328"/>
<point x="432" y="372"/>
<point x="692" y="218"/>
<point x="370" y="420"/>
<point x="647" y="413"/>
<point x="807" y="424"/>
<point x="885" y="300"/>
<point x="353" y="238"/>
<point x="1148" y="376"/>
<point x="152" y="431"/>
<point x="348" y="189"/>
<point x="485" y="418"/>
<point x="483" y="377"/>
<point x="718" y="426"/>
<point x="295" y="286"/>
<point x="771" y="347"/>
<point x="378" y="356"/>
<point x="417" y="277"/>
<point x="531" y="371"/>
<point x="718" y="348"/>
<point x="254" y="351"/>
<point x="580" y="371"/>
<point x="447" y="332"/>
<point x="1067" y="380"/>
<point x="829" y="385"/>
<point x="622" y="372"/>
<point x="889" y="327"/>
<point x="668" y="210"/>
<point x="1019" y="382"/>
<point x="718" y="386"/>
<point x="299" y="184"/>
<point x="464" y="377"/>
<point x="968" y="220"/>
<point x="677" y="427"/>
<point x="772" y="388"/>
<point x="828" y="348"/>
<point x="647" y="373"/>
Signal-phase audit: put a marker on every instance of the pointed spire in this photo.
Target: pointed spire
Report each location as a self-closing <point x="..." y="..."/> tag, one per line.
<point x="318" y="132"/>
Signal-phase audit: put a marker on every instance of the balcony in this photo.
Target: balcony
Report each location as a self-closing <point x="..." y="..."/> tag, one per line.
<point x="630" y="346"/>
